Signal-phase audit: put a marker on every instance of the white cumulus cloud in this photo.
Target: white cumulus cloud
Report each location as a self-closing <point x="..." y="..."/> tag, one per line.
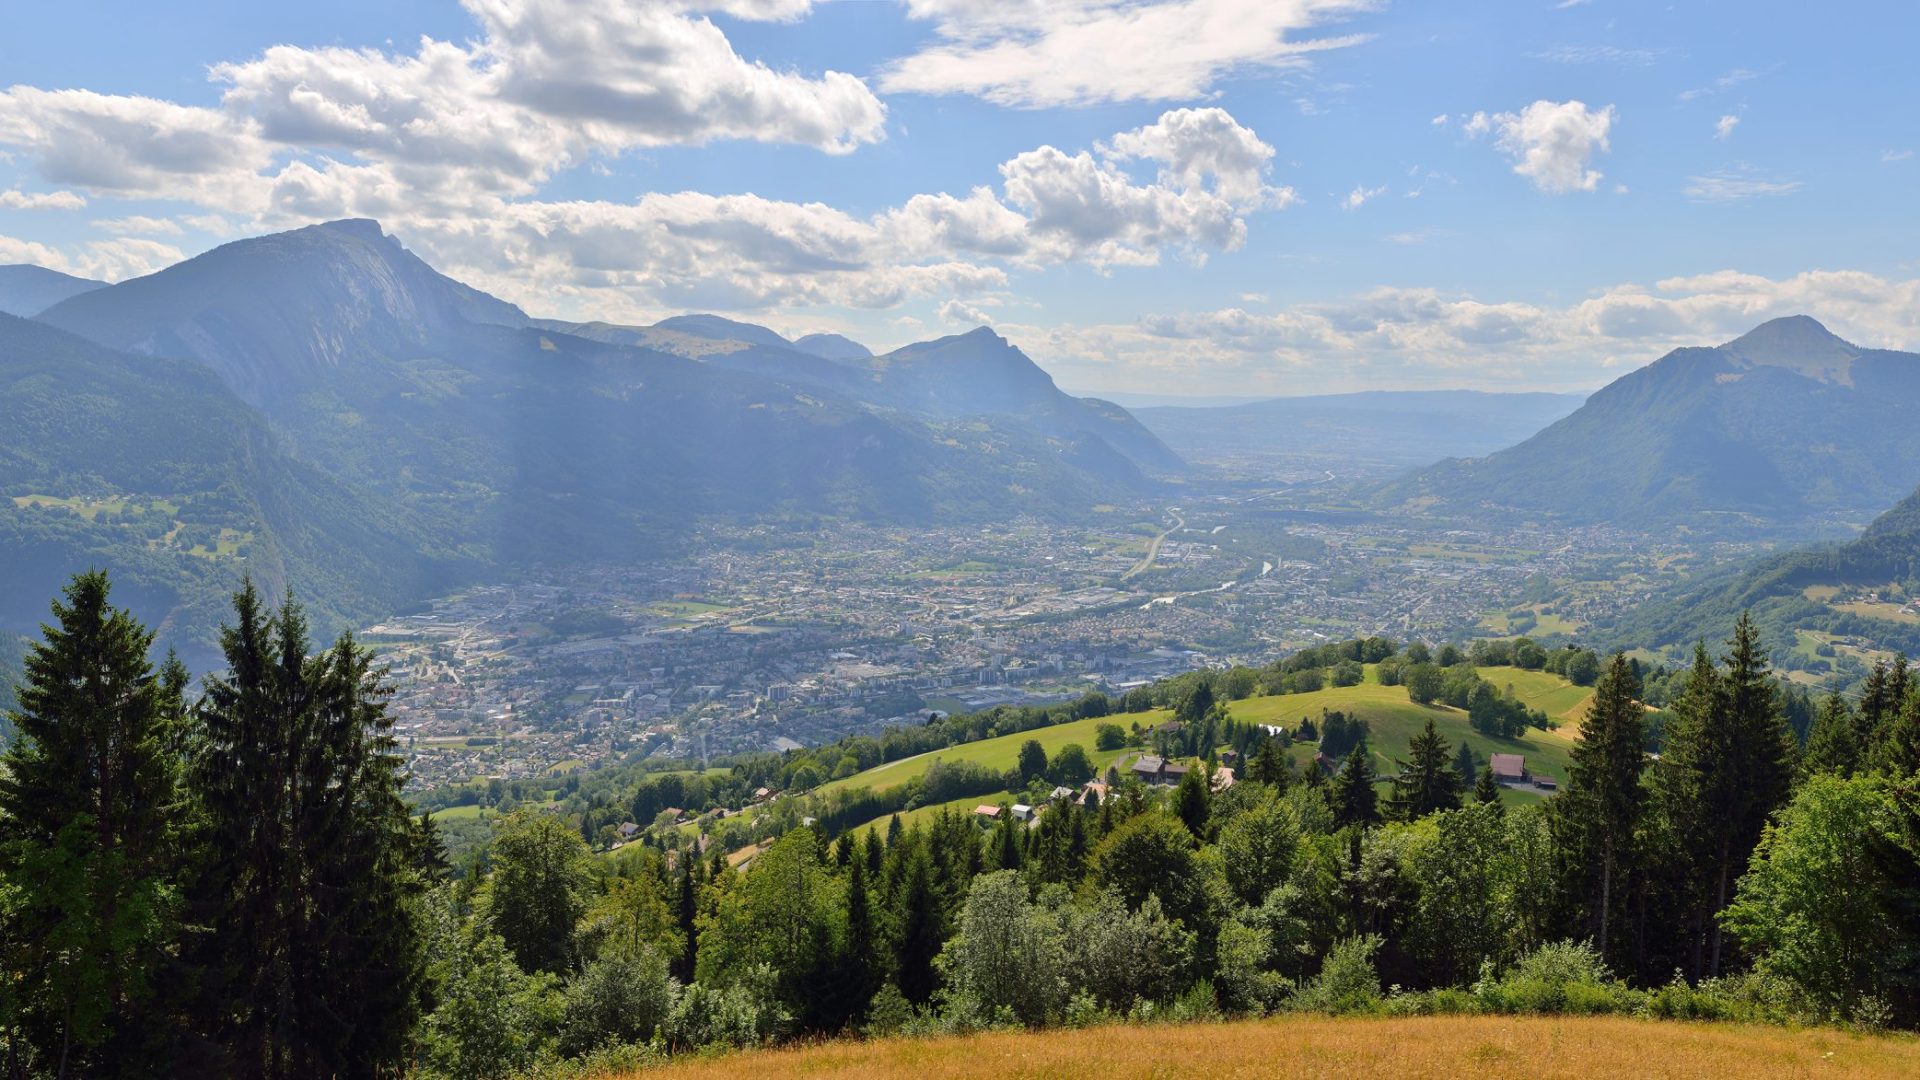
<point x="1403" y="337"/>
<point x="1551" y="143"/>
<point x="1359" y="196"/>
<point x="41" y="200"/>
<point x="1035" y="54"/>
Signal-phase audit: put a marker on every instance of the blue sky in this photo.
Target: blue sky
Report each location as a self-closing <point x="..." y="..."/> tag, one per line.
<point x="1168" y="196"/>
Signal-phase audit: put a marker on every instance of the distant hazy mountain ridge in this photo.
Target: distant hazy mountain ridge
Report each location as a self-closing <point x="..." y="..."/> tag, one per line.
<point x="28" y="290"/>
<point x="277" y="315"/>
<point x="1411" y="427"/>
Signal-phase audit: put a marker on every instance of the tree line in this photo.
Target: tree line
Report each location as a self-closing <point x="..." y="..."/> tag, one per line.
<point x="228" y="883"/>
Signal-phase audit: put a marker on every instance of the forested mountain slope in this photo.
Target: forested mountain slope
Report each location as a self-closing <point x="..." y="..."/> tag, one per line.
<point x="1862" y="591"/>
<point x="1787" y="425"/>
<point x="153" y="468"/>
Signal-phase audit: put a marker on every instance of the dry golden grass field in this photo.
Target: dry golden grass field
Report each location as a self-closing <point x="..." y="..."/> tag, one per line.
<point x="1478" y="1048"/>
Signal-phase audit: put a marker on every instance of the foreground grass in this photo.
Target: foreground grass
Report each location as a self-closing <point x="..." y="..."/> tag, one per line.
<point x="1474" y="1046"/>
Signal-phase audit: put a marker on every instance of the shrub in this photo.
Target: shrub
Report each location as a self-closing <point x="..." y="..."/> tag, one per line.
<point x="1564" y="977"/>
<point x="1197" y="1004"/>
<point x="1347" y="982"/>
<point x="618" y="999"/>
<point x="745" y="1013"/>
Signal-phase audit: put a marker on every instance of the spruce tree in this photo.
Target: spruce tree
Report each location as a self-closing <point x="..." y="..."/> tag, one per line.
<point x="1727" y="766"/>
<point x="429" y="851"/>
<point x="1466" y="764"/>
<point x="1351" y="794"/>
<point x="1197" y="704"/>
<point x="1832" y="745"/>
<point x="1486" y="790"/>
<point x="90" y="804"/>
<point x="1193" y="801"/>
<point x="1008" y="850"/>
<point x="1270" y="765"/>
<point x="1604" y="794"/>
<point x="1898" y="751"/>
<point x="921" y="924"/>
<point x="686" y="915"/>
<point x="312" y="960"/>
<point x="1428" y="781"/>
<point x="1680" y="782"/>
<point x="860" y="967"/>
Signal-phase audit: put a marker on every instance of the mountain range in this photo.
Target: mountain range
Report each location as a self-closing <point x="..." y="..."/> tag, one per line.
<point x="1393" y="428"/>
<point x="369" y="429"/>
<point x="1785" y="426"/>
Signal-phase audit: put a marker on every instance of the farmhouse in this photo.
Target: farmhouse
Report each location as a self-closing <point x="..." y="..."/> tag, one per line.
<point x="1508" y="768"/>
<point x="1154" y="770"/>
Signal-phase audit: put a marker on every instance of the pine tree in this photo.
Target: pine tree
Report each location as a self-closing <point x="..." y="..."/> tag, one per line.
<point x="1427" y="782"/>
<point x="1604" y="795"/>
<point x="89" y="808"/>
<point x="1351" y="794"/>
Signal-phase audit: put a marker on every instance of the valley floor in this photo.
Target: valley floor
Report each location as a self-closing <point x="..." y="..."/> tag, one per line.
<point x="1483" y="1047"/>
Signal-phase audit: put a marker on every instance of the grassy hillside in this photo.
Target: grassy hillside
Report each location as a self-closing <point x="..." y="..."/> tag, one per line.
<point x="1393" y="718"/>
<point x="999" y="753"/>
<point x="1551" y="694"/>
<point x="1402" y="1048"/>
